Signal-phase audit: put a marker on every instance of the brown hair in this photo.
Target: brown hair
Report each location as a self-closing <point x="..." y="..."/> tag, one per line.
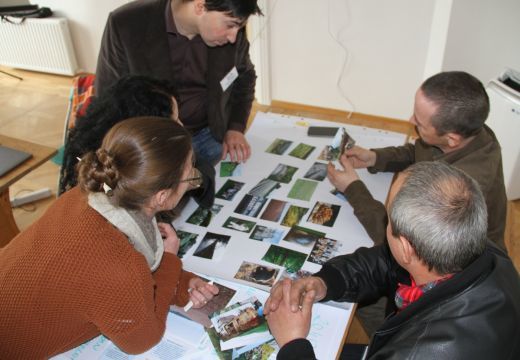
<point x="138" y="158"/>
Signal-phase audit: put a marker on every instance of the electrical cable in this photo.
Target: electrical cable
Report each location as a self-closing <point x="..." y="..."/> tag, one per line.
<point x="346" y="60"/>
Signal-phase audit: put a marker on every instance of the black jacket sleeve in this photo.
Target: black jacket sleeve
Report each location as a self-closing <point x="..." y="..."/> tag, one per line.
<point x="298" y="349"/>
<point x="363" y="276"/>
<point x="205" y="195"/>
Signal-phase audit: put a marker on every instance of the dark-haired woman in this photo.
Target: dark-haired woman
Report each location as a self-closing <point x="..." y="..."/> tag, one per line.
<point x="131" y="96"/>
<point x="96" y="262"/>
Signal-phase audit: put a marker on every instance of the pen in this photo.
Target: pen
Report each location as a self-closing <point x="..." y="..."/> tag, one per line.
<point x="189" y="305"/>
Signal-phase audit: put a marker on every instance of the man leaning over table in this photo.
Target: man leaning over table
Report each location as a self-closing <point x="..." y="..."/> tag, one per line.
<point x="449" y="115"/>
<point x="201" y="47"/>
<point x="455" y="293"/>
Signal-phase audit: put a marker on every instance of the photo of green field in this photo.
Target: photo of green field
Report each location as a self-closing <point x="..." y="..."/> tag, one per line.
<point x="302" y="151"/>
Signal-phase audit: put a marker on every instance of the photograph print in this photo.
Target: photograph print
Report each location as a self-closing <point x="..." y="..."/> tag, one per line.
<point x="283" y="173"/>
<point x="329" y="153"/>
<point x="264" y="188"/>
<point x="318" y="172"/>
<point x="274" y="210"/>
<point x="187" y="240"/>
<point x="302" y="189"/>
<point x="257" y="274"/>
<point x="266" y="234"/>
<point x="278" y="146"/>
<point x="250" y="205"/>
<point x="324" y="214"/>
<point x="239" y="319"/>
<point x="302" y="151"/>
<point x="303" y="236"/>
<point x="290" y="259"/>
<point x="293" y="216"/>
<point x="229" y="168"/>
<point x="237" y="224"/>
<point x="202" y="217"/>
<point x="212" y="246"/>
<point x="324" y="249"/>
<point x="229" y="190"/>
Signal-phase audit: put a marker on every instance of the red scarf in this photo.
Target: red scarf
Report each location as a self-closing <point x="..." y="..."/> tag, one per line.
<point x="407" y="294"/>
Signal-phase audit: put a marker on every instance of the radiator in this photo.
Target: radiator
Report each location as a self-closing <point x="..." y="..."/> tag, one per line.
<point x="38" y="44"/>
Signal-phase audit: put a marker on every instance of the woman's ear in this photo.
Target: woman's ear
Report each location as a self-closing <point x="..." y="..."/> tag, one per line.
<point x="160" y="197"/>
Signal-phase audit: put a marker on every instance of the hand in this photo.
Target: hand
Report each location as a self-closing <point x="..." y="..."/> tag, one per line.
<point x="341" y="179"/>
<point x="287" y="325"/>
<point x="171" y="241"/>
<point x="236" y="145"/>
<point x="201" y="292"/>
<point x="360" y="157"/>
<point x="299" y="289"/>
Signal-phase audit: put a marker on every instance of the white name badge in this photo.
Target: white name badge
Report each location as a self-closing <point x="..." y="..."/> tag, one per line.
<point x="229" y="78"/>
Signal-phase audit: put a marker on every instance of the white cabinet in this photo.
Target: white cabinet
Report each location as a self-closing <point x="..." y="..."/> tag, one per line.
<point x="504" y="120"/>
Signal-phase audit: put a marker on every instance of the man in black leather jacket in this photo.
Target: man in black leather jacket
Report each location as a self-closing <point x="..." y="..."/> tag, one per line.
<point x="457" y="295"/>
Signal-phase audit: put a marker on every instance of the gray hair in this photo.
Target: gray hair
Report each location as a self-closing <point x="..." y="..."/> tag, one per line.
<point x="441" y="211"/>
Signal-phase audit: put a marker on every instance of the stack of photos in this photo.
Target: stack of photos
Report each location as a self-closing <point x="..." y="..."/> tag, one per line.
<point x="240" y="324"/>
<point x="278" y="146"/>
<point x="212" y="246"/>
<point x="202" y="217"/>
<point x="329" y="153"/>
<point x="257" y="274"/>
<point x="324" y="214"/>
<point x="323" y="250"/>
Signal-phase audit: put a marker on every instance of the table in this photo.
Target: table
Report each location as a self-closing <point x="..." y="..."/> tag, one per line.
<point x="40" y="154"/>
<point x="330" y="321"/>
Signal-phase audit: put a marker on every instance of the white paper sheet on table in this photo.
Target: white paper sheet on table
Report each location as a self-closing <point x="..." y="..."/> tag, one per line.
<point x="264" y="130"/>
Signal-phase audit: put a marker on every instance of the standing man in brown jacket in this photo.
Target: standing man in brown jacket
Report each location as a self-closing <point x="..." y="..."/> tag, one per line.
<point x="200" y="46"/>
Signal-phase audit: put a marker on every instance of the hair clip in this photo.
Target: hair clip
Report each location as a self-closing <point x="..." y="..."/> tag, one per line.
<point x="107" y="189"/>
<point x="79" y="159"/>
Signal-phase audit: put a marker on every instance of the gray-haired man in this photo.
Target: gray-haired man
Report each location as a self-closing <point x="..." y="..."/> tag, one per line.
<point x="456" y="294"/>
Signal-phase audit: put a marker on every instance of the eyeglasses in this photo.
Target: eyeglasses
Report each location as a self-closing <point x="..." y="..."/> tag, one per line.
<point x="195" y="180"/>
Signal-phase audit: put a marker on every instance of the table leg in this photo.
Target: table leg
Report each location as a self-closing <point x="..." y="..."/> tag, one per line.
<point x="8" y="227"/>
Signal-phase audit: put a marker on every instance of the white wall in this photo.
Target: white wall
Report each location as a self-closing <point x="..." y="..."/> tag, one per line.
<point x="86" y="20"/>
<point x="387" y="43"/>
<point x="484" y="37"/>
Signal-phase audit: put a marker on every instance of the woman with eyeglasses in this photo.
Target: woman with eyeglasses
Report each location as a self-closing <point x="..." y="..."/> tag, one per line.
<point x="97" y="262"/>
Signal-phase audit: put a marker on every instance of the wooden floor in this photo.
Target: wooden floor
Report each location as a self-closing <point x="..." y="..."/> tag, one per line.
<point x="34" y="109"/>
